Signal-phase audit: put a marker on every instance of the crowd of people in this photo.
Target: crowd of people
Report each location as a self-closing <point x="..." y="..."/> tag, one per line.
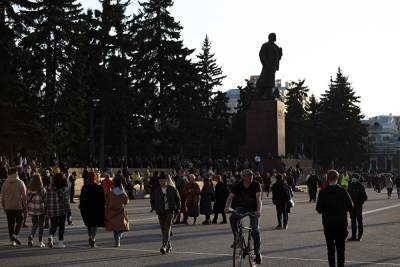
<point x="176" y="197"/>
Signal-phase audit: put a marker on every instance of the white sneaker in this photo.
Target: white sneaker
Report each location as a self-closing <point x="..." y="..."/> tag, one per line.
<point x="41" y="244"/>
<point x="61" y="244"/>
<point x="13" y="244"/>
<point x="16" y="240"/>
<point x="50" y="241"/>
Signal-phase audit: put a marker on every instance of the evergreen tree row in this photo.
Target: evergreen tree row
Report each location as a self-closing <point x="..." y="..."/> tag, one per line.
<point x="103" y="82"/>
<point x="328" y="131"/>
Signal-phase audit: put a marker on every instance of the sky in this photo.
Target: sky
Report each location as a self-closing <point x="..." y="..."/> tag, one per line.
<point x="317" y="36"/>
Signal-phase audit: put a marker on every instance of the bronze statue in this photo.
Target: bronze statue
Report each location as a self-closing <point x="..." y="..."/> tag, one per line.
<point x="270" y="55"/>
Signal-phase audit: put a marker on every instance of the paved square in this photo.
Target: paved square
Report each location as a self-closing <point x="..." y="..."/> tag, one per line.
<point x="303" y="244"/>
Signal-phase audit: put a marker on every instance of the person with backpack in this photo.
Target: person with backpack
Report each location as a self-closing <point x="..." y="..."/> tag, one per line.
<point x="281" y="196"/>
<point x="36" y="208"/>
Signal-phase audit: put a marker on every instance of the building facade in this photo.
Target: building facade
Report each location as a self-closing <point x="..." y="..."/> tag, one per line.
<point x="384" y="143"/>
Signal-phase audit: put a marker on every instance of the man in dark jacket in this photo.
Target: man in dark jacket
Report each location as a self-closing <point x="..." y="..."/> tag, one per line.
<point x="333" y="203"/>
<point x="358" y="196"/>
<point x="72" y="180"/>
<point x="166" y="203"/>
<point x="312" y="184"/>
<point x="153" y="184"/>
<point x="281" y="197"/>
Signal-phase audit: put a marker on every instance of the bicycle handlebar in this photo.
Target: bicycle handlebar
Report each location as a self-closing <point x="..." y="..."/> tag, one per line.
<point x="242" y="215"/>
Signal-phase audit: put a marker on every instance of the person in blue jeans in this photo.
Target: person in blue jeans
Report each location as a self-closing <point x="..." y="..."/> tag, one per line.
<point x="246" y="196"/>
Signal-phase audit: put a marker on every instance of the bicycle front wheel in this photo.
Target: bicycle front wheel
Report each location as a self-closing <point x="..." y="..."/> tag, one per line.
<point x="238" y="254"/>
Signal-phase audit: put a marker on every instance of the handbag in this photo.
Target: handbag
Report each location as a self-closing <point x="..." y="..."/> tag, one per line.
<point x="291" y="203"/>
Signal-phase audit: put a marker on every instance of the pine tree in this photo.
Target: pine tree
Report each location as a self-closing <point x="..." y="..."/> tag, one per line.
<point x="311" y="130"/>
<point x="210" y="77"/>
<point x="165" y="74"/>
<point x="50" y="41"/>
<point x="238" y="134"/>
<point x="295" y="117"/>
<point x="210" y="73"/>
<point x="17" y="104"/>
<point x="342" y="131"/>
<point x="219" y="123"/>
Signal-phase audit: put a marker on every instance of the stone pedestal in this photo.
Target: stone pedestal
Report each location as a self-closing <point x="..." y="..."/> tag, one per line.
<point x="265" y="129"/>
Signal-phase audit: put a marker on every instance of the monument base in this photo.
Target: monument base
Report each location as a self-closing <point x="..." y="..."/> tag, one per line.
<point x="265" y="130"/>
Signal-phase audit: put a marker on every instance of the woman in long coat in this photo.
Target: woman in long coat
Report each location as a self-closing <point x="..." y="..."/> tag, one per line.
<point x="207" y="197"/>
<point x="221" y="194"/>
<point x="92" y="203"/>
<point x="191" y="193"/>
<point x="116" y="215"/>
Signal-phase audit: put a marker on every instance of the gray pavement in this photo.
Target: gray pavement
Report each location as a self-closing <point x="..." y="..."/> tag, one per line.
<point x="302" y="244"/>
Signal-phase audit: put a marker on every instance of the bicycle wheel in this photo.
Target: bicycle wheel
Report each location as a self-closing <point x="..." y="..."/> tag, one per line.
<point x="250" y="250"/>
<point x="238" y="254"/>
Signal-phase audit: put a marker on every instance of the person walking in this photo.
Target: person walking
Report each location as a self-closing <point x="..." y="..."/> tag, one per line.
<point x="221" y="194"/>
<point x="267" y="183"/>
<point x="312" y="184"/>
<point x="191" y="193"/>
<point x="333" y="203"/>
<point x="280" y="197"/>
<point x="153" y="184"/>
<point x="389" y="187"/>
<point x="358" y="195"/>
<point x="180" y="182"/>
<point x="166" y="202"/>
<point x="13" y="200"/>
<point x="72" y="180"/>
<point x="57" y="208"/>
<point x="207" y="196"/>
<point x="397" y="182"/>
<point x="116" y="217"/>
<point x="85" y="175"/>
<point x="92" y="203"/>
<point x="106" y="184"/>
<point x="344" y="181"/>
<point x="248" y="199"/>
<point x="36" y="208"/>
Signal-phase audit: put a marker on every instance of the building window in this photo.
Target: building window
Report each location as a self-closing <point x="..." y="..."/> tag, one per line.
<point x="373" y="164"/>
<point x="388" y="165"/>
<point x="386" y="138"/>
<point x="372" y="139"/>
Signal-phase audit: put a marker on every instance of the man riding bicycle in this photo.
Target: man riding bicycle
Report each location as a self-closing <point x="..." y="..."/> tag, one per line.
<point x="247" y="198"/>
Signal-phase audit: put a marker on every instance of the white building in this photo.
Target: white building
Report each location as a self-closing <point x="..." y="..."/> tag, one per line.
<point x="384" y="142"/>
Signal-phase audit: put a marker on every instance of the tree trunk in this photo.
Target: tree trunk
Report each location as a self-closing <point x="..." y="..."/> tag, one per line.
<point x="102" y="137"/>
<point x="124" y="141"/>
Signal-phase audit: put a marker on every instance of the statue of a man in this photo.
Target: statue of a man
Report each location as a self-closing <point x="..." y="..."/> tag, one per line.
<point x="270" y="55"/>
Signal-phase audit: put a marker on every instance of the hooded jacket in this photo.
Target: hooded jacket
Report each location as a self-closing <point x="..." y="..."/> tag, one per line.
<point x="13" y="194"/>
<point x="333" y="203"/>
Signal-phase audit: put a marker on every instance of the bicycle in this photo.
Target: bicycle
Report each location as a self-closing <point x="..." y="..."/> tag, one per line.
<point x="244" y="248"/>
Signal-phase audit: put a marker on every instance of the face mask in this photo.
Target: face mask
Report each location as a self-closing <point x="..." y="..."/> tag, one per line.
<point x="354" y="180"/>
